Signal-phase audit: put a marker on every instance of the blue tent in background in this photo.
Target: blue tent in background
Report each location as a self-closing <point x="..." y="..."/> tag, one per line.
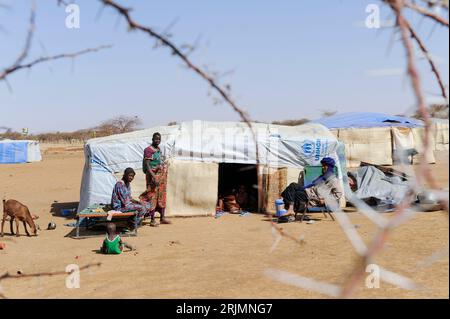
<point x="19" y="151"/>
<point x="367" y="120"/>
<point x="13" y="151"/>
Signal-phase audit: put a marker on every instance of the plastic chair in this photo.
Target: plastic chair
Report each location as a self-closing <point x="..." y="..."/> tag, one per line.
<point x="316" y="209"/>
<point x="310" y="174"/>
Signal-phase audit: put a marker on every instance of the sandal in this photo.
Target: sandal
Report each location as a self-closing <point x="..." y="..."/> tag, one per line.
<point x="219" y="214"/>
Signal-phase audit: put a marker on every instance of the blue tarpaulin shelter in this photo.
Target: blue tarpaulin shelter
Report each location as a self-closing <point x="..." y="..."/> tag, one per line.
<point x="19" y="151"/>
<point x="367" y="120"/>
<point x="13" y="152"/>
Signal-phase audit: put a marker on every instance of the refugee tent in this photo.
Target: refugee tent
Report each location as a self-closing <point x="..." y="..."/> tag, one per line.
<point x="441" y="128"/>
<point x="19" y="151"/>
<point x="377" y="138"/>
<point x="204" y="157"/>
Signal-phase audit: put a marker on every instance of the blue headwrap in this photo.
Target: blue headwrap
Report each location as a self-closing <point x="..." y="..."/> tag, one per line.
<point x="328" y="161"/>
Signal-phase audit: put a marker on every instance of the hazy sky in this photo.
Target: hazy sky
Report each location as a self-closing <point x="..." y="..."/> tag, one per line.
<point x="290" y="59"/>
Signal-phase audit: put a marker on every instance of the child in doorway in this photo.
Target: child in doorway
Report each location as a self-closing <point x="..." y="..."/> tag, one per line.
<point x="112" y="244"/>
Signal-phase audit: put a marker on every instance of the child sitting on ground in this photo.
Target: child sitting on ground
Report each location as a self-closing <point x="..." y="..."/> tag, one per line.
<point x="113" y="244"/>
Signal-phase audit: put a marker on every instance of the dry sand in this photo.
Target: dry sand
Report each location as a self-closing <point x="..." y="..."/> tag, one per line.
<point x="203" y="257"/>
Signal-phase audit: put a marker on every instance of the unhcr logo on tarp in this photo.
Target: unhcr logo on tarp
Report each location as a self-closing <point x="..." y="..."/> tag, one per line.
<point x="307" y="148"/>
<point x="317" y="148"/>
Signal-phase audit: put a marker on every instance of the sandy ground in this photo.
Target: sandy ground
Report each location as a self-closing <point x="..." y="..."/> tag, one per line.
<point x="204" y="257"/>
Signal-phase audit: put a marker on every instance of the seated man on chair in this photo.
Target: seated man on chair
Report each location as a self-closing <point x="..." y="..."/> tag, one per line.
<point x="296" y="197"/>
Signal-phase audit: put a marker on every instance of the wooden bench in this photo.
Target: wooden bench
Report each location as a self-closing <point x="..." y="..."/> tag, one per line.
<point x="102" y="217"/>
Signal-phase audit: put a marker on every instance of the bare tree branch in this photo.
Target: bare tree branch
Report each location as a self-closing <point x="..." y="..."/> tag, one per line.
<point x="18" y="63"/>
<point x="376" y="246"/>
<point x="282" y="233"/>
<point x="60" y="2"/>
<point x="133" y="25"/>
<point x="424" y="12"/>
<point x="402" y="23"/>
<point x="437" y="3"/>
<point x="29" y="38"/>
<point x="6" y="72"/>
<point x="428" y="57"/>
<point x="7" y="275"/>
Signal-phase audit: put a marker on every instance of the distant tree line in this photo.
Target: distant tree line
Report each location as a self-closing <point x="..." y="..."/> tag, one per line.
<point x="117" y="125"/>
<point x="124" y="124"/>
<point x="439" y="111"/>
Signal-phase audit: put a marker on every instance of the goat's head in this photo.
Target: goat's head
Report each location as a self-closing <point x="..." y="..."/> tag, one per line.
<point x="34" y="227"/>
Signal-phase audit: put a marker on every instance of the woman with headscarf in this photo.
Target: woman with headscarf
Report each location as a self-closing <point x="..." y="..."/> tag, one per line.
<point x="296" y="197"/>
<point x="121" y="199"/>
<point x="156" y="175"/>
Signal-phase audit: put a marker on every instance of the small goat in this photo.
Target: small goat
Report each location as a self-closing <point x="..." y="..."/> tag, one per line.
<point x="19" y="212"/>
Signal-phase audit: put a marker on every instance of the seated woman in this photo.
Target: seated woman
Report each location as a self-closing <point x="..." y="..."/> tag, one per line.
<point x="296" y="197"/>
<point x="242" y="197"/>
<point x="228" y="202"/>
<point x="121" y="196"/>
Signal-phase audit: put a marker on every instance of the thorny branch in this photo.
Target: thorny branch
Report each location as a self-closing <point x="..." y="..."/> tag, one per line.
<point x="29" y="38"/>
<point x="397" y="6"/>
<point x="423" y="11"/>
<point x="437" y="3"/>
<point x="15" y="68"/>
<point x="19" y="64"/>
<point x="7" y="275"/>
<point x="133" y="25"/>
<point x="375" y="247"/>
<point x="282" y="233"/>
<point x="430" y="60"/>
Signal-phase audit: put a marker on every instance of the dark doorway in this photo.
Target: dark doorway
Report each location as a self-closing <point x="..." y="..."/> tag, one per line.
<point x="238" y="177"/>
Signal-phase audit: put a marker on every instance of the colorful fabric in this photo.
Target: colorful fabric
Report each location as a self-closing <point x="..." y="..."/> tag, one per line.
<point x="155" y="196"/>
<point x="121" y="200"/>
<point x="142" y="209"/>
<point x="154" y="156"/>
<point x="112" y="246"/>
<point x="121" y="196"/>
<point x="228" y="203"/>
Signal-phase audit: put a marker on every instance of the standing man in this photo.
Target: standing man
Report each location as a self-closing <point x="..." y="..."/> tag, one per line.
<point x="156" y="174"/>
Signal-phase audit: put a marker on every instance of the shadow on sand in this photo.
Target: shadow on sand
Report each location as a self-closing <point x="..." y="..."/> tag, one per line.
<point x="57" y="209"/>
<point x="308" y="217"/>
